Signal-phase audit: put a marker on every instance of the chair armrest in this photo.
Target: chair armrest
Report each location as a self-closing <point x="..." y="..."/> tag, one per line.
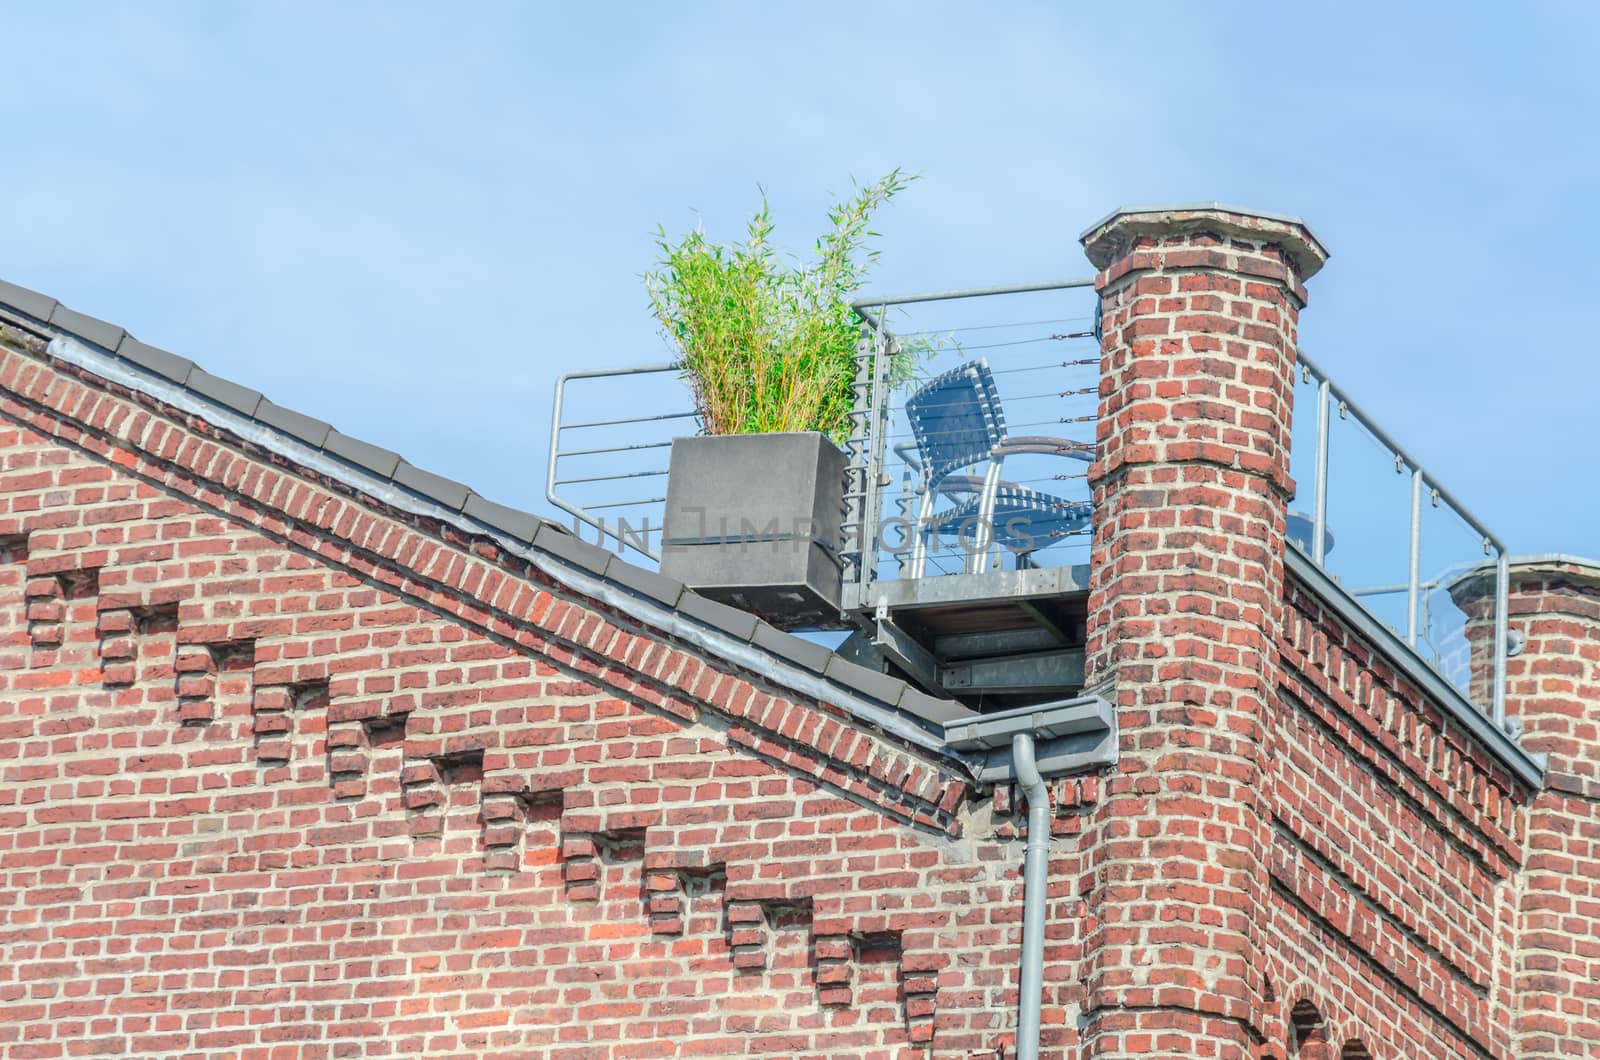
<point x="1043" y="446"/>
<point x="908" y="452"/>
<point x="958" y="485"/>
<point x="954" y="485"/>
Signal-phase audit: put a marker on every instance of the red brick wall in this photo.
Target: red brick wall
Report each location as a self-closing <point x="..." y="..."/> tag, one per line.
<point x="1395" y="840"/>
<point x="283" y="774"/>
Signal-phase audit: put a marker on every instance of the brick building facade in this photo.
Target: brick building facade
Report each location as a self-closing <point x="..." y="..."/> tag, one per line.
<point x="306" y="752"/>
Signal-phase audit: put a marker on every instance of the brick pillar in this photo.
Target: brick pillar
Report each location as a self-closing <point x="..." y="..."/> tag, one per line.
<point x="1553" y="688"/>
<point x="1191" y="483"/>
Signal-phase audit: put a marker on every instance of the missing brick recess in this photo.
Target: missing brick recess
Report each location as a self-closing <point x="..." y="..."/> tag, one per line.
<point x="697" y="883"/>
<point x="387" y="731"/>
<point x="620" y="844"/>
<point x="155" y="619"/>
<point x="80" y="584"/>
<point x="310" y="695"/>
<point x="234" y="656"/>
<point x="876" y="946"/>
<point x="791" y="915"/>
<point x="460" y="767"/>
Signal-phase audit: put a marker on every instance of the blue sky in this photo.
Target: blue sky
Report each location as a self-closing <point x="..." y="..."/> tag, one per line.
<point x="408" y="218"/>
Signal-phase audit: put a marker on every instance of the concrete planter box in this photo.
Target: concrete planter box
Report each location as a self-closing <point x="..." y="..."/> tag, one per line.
<point x="753" y="520"/>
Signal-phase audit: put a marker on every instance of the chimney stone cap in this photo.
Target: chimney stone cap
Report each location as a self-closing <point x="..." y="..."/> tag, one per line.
<point x="1304" y="248"/>
<point x="1556" y="563"/>
<point x="1479" y="581"/>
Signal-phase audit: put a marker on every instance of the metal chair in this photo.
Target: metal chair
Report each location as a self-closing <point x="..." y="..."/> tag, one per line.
<point x="958" y="423"/>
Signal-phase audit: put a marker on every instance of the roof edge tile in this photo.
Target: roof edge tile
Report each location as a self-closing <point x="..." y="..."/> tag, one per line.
<point x="27" y="302"/>
<point x="88" y="328"/>
<point x="646" y="582"/>
<point x="559" y="543"/>
<point x="446" y="492"/>
<point x="513" y="522"/>
<point x="165" y="364"/>
<point x="879" y="686"/>
<point x="308" y="429"/>
<point x="364" y="455"/>
<point x="741" y="625"/>
<point x="801" y="652"/>
<point x="224" y="391"/>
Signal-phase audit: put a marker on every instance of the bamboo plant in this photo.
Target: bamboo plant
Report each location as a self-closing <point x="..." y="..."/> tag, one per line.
<point x="768" y="343"/>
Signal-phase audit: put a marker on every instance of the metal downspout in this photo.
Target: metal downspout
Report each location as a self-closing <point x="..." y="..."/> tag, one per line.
<point x="1035" y="874"/>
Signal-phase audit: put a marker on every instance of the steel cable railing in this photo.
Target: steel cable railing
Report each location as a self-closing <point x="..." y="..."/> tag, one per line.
<point x="925" y="519"/>
<point x="1397" y="542"/>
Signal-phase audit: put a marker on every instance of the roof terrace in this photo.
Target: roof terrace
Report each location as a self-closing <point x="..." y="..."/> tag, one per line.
<point x="964" y="539"/>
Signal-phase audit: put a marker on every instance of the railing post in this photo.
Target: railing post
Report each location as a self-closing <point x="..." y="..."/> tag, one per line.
<point x="1319" y="513"/>
<point x="907" y="505"/>
<point x="855" y="493"/>
<point x="1502" y="590"/>
<point x="876" y="451"/>
<point x="1414" y="576"/>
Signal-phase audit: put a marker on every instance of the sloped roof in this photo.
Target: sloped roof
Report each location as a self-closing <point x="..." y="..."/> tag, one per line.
<point x="108" y="351"/>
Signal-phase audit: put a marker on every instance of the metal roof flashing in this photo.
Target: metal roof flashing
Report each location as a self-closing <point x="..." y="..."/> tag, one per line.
<point x="886" y="703"/>
<point x="1526" y="766"/>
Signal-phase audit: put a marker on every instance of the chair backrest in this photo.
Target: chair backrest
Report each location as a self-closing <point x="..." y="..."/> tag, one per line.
<point x="956" y="419"/>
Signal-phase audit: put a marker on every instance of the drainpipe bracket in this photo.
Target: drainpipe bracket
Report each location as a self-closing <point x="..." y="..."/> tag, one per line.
<point x="1075" y="735"/>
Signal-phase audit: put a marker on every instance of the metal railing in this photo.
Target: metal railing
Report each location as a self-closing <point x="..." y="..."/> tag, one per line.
<point x="1368" y="514"/>
<point x="608" y="471"/>
<point x="904" y="519"/>
<point x="1397" y="541"/>
<point x="593" y="473"/>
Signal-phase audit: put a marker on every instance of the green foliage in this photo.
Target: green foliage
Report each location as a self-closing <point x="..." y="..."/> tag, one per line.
<point x="767" y="343"/>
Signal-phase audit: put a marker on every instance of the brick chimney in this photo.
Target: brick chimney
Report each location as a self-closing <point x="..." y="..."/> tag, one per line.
<point x="1191" y="482"/>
